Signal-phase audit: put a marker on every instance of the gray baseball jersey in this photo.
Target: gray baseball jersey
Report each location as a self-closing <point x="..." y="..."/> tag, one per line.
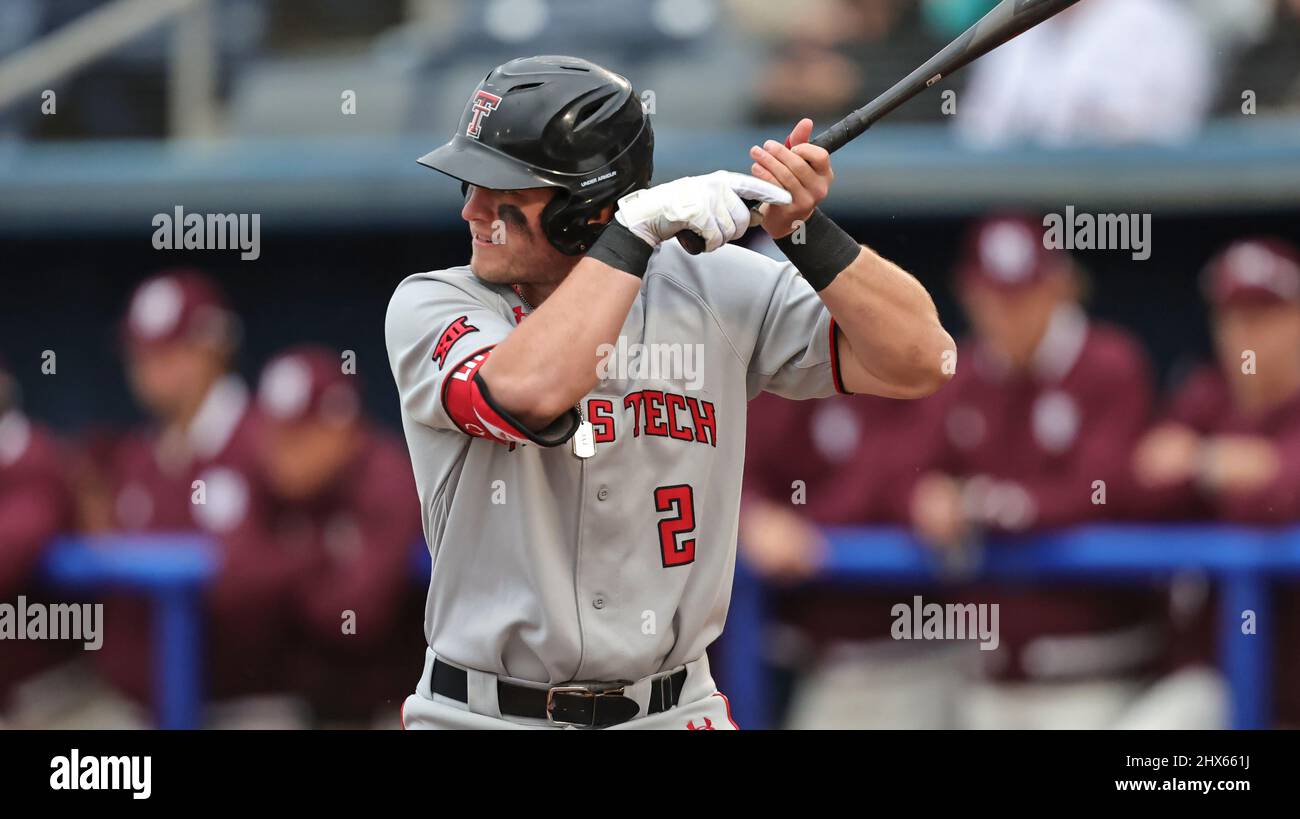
<point x="551" y="567"/>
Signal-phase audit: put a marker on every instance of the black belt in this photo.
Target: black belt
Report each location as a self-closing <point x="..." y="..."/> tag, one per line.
<point x="593" y="705"/>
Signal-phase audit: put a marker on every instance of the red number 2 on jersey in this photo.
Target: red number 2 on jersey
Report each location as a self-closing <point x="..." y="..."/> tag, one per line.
<point x="680" y="500"/>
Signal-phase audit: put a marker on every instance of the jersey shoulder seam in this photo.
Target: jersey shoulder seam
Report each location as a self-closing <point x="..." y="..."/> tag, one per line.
<point x="463" y="279"/>
<point x="694" y="294"/>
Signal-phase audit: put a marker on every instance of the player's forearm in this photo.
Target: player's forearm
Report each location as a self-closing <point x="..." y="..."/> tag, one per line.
<point x="892" y="328"/>
<point x="1277" y="502"/>
<point x="550" y="360"/>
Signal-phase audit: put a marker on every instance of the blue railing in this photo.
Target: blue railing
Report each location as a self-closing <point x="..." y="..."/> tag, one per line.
<point x="172" y="569"/>
<point x="1240" y="561"/>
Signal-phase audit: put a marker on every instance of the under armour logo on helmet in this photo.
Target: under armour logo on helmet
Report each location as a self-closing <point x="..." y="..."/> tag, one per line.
<point x="483" y="105"/>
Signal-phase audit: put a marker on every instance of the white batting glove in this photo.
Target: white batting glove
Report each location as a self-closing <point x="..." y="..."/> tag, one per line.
<point x="709" y="206"/>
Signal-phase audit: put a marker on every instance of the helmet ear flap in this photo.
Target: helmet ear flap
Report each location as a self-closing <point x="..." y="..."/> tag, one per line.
<point x="565" y="222"/>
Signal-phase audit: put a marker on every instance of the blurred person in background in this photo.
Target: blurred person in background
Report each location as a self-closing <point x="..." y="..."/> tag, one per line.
<point x="1266" y="61"/>
<point x="336" y="489"/>
<point x="833" y="55"/>
<point x="1103" y="72"/>
<point x="1229" y="445"/>
<point x="35" y="505"/>
<point x="189" y="469"/>
<point x="1038" y="425"/>
<point x="846" y="460"/>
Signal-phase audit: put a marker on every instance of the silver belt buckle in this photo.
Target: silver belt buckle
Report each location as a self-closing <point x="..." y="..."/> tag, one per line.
<point x="589" y="691"/>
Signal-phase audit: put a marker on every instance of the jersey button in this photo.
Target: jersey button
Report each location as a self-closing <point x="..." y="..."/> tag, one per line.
<point x="602" y="493"/>
<point x="599" y="603"/>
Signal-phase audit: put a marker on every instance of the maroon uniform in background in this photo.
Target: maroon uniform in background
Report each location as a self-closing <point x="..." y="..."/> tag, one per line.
<point x="847" y="460"/>
<point x="1249" y="275"/>
<point x="358" y="539"/>
<point x="1205" y="404"/>
<point x="1037" y="442"/>
<point x="152" y="478"/>
<point x="857" y="457"/>
<point x="340" y="494"/>
<point x="246" y="616"/>
<point x="1038" y="426"/>
<point x="35" y="505"/>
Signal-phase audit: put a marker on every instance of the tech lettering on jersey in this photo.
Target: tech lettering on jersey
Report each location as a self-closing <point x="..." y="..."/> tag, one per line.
<point x="659" y="414"/>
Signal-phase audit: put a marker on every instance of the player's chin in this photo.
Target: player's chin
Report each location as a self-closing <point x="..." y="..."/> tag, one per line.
<point x="490" y="264"/>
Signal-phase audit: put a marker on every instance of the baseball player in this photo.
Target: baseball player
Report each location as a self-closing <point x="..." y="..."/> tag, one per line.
<point x="35" y="504"/>
<point x="1229" y="448"/>
<point x="1047" y="402"/>
<point x="335" y="487"/>
<point x="855" y="460"/>
<point x="179" y="337"/>
<point x="574" y="398"/>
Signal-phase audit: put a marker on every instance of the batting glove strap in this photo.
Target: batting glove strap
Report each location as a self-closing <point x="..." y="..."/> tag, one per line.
<point x="825" y="250"/>
<point x="620" y="248"/>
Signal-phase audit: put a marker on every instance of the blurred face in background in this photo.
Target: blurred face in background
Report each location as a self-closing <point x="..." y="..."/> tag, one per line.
<point x="170" y="380"/>
<point x="302" y="458"/>
<point x="1272" y="331"/>
<point x="1013" y="321"/>
<point x="506" y="235"/>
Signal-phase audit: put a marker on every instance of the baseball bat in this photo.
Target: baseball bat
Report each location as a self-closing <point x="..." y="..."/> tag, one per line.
<point x="1007" y="20"/>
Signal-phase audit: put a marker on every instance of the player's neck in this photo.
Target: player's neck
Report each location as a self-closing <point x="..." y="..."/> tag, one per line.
<point x="182" y="416"/>
<point x="537" y="293"/>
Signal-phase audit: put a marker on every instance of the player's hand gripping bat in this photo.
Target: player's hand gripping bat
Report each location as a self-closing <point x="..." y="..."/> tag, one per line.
<point x="1008" y="19"/>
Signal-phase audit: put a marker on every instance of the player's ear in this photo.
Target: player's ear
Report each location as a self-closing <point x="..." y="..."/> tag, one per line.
<point x="606" y="213"/>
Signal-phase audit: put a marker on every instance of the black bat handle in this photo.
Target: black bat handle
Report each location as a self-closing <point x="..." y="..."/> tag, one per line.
<point x="841" y="133"/>
<point x="694" y="245"/>
<point x="1008" y="19"/>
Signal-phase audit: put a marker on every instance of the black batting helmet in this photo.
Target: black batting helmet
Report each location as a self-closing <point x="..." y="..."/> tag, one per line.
<point x="559" y="122"/>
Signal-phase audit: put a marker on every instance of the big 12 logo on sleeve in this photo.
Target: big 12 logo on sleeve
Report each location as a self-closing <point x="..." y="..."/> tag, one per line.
<point x="455" y="331"/>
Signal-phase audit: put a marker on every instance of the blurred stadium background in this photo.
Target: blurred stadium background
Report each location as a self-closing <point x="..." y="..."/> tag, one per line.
<point x="113" y="112"/>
